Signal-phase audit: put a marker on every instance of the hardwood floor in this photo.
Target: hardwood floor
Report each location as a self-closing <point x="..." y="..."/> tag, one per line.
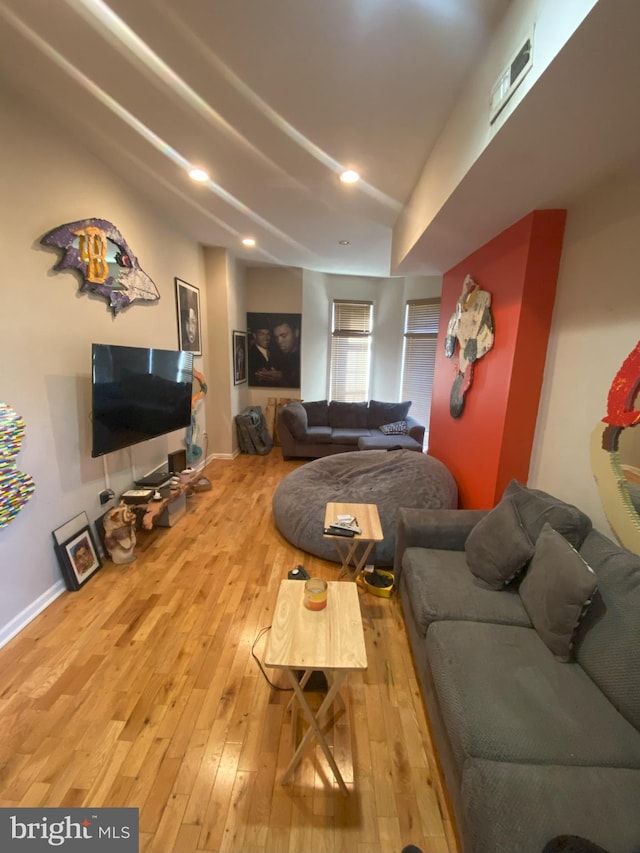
<point x="141" y="690"/>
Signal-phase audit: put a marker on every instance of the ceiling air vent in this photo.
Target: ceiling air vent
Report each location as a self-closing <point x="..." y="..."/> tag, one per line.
<point x="511" y="78"/>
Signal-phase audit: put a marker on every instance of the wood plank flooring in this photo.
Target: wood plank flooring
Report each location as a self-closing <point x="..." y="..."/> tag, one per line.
<point x="141" y="690"/>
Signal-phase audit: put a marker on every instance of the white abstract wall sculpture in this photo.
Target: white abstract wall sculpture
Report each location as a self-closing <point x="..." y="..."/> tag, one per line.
<point x="471" y="328"/>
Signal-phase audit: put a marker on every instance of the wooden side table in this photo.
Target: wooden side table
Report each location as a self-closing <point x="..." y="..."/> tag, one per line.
<point x="353" y="552"/>
<point x="329" y="640"/>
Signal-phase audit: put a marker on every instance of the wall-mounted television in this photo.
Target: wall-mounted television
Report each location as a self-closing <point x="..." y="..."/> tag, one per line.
<point x="138" y="394"/>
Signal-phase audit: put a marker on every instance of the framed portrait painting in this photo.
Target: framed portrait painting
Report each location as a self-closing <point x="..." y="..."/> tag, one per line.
<point x="273" y="354"/>
<point x="188" y="307"/>
<point x="239" y="354"/>
<point x="76" y="551"/>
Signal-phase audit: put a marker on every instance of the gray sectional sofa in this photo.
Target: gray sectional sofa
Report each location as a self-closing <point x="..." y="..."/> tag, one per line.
<point x="531" y="678"/>
<point x="321" y="428"/>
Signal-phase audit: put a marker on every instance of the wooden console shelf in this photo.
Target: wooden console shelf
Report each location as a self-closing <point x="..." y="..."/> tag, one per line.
<point x="154" y="508"/>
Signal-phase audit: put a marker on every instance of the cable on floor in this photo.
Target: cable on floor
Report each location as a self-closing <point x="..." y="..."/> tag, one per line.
<point x="261" y="634"/>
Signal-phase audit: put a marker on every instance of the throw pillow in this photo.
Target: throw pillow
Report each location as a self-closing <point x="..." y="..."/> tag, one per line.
<point x="537" y="508"/>
<point x="386" y="413"/>
<point x="294" y="416"/>
<point x="397" y="428"/>
<point x="498" y="547"/>
<point x="556" y="591"/>
<point x="317" y="412"/>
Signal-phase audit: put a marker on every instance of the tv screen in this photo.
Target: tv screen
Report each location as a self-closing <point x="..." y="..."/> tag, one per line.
<point x="138" y="394"/>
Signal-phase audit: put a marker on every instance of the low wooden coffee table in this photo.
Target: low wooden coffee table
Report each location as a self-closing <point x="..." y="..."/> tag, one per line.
<point x="353" y="552"/>
<point x="329" y="640"/>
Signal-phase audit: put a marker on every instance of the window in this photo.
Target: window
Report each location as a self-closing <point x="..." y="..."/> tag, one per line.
<point x="419" y="355"/>
<point x="350" y="351"/>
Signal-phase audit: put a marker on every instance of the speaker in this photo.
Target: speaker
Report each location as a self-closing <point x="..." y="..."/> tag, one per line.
<point x="177" y="461"/>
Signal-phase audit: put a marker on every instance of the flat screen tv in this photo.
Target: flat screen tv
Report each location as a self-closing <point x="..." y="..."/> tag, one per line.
<point x="138" y="394"/>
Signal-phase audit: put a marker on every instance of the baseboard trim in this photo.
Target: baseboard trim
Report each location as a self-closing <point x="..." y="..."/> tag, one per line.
<point x="9" y="631"/>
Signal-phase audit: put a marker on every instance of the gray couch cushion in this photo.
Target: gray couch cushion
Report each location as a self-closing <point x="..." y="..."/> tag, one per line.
<point x="537" y="507"/>
<point x="556" y="591"/>
<point x="608" y="640"/>
<point x="505" y="698"/>
<point x="440" y="586"/>
<point x="345" y="435"/>
<point x="319" y="435"/>
<point x="378" y="441"/>
<point x="520" y="807"/>
<point x="347" y="415"/>
<point x="498" y="547"/>
<point x="386" y="413"/>
<point x="294" y="416"/>
<point x="317" y="412"/>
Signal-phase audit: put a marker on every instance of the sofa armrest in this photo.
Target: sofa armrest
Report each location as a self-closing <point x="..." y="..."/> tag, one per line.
<point x="416" y="429"/>
<point x="443" y="529"/>
<point x="285" y="435"/>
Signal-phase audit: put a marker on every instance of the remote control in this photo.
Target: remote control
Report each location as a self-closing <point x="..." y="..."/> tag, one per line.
<point x="339" y="531"/>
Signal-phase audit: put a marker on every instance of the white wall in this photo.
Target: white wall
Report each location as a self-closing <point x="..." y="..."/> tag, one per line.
<point x="46" y="180"/>
<point x="596" y="324"/>
<point x="468" y="131"/>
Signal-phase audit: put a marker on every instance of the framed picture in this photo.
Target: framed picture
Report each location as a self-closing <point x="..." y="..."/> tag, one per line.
<point x="273" y="355"/>
<point x="188" y="306"/>
<point x="76" y="551"/>
<point x="239" y="354"/>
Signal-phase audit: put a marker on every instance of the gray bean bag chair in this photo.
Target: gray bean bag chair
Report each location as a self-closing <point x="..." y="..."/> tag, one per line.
<point x="389" y="479"/>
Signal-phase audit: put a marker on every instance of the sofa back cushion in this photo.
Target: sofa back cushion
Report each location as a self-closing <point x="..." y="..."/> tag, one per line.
<point x="386" y="413"/>
<point x="317" y="413"/>
<point x="498" y="547"/>
<point x="537" y="508"/>
<point x="294" y="417"/>
<point x="556" y="591"/>
<point x="607" y="644"/>
<point x="347" y="415"/>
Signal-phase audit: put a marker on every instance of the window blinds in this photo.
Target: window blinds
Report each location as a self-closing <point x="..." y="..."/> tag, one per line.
<point x="422" y="317"/>
<point x="350" y="351"/>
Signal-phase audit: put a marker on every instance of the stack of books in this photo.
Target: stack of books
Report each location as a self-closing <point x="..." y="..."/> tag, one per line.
<point x="346" y="522"/>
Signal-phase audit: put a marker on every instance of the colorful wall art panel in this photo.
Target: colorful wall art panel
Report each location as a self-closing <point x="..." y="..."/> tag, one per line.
<point x="15" y="487"/>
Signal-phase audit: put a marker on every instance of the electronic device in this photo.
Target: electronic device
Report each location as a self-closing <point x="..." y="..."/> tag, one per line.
<point x="298" y="574"/>
<point x="177" y="461"/>
<point x="339" y="531"/>
<point x="136" y="496"/>
<point x="154" y="480"/>
<point x="346" y="525"/>
<point x="137" y="394"/>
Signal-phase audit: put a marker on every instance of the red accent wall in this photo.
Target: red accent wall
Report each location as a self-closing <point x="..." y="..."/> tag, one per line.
<point x="490" y="443"/>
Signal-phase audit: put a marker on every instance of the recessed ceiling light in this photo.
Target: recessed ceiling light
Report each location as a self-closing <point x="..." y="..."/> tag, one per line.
<point x="198" y="175"/>
<point x="343" y="242"/>
<point x="248" y="241"/>
<point x="349" y="176"/>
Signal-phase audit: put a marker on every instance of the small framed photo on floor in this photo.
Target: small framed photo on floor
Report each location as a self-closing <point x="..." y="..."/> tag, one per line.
<point x="76" y="551"/>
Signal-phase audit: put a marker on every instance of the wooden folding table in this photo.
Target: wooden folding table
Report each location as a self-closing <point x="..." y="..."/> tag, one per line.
<point x="329" y="640"/>
<point x="353" y="552"/>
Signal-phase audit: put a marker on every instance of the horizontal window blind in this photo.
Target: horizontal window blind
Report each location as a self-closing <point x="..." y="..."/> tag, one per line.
<point x="350" y="351"/>
<point x="422" y="317"/>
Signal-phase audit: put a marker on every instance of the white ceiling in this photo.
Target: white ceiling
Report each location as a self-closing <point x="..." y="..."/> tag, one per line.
<point x="271" y="97"/>
<point x="275" y="97"/>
